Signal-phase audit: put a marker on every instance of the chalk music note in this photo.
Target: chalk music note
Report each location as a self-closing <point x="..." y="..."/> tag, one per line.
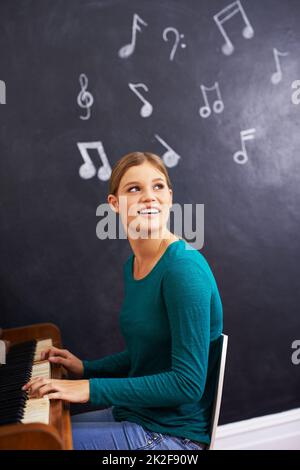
<point x="178" y="37"/>
<point x="85" y="98"/>
<point x="88" y="169"/>
<point x="170" y="157"/>
<point x="147" y="108"/>
<point x="128" y="49"/>
<point x="241" y="156"/>
<point x="277" y="76"/>
<point x="223" y="16"/>
<point x="218" y="105"/>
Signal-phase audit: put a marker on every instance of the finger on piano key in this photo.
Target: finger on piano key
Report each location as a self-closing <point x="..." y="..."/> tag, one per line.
<point x="42" y="347"/>
<point x="40" y="370"/>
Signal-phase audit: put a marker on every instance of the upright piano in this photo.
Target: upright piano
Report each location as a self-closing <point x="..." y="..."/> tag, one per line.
<point x="31" y="423"/>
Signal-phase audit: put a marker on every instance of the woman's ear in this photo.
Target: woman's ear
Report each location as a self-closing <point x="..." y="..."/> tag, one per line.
<point x="113" y="202"/>
<point x="171" y="197"/>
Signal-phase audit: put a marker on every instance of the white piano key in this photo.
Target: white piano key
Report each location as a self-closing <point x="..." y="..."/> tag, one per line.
<point x="37" y="410"/>
<point x="41" y="369"/>
<point x="42" y="345"/>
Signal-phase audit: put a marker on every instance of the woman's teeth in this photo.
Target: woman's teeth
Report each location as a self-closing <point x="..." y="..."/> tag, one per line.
<point x="148" y="211"/>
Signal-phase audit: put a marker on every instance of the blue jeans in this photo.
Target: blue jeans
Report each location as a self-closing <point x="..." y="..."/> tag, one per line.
<point x="98" y="430"/>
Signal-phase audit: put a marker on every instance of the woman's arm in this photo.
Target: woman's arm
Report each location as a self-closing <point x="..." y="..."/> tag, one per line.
<point x="187" y="293"/>
<point x="115" y="365"/>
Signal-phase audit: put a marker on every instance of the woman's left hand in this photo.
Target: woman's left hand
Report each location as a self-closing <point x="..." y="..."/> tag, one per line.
<point x="75" y="391"/>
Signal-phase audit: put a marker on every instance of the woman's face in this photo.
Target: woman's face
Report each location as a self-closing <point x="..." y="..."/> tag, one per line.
<point x="141" y="187"/>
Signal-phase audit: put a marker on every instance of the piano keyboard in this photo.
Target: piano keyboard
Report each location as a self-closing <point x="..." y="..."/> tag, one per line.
<point x="23" y="362"/>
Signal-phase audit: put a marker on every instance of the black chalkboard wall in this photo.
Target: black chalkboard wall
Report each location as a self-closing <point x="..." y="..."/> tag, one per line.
<point x="54" y="267"/>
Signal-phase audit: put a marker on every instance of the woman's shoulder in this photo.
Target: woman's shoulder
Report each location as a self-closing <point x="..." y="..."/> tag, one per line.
<point x="187" y="261"/>
<point x="184" y="252"/>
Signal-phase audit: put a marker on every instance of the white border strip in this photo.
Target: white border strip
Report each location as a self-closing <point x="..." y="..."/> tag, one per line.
<point x="277" y="431"/>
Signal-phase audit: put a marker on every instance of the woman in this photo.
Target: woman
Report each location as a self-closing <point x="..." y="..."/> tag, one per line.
<point x="158" y="392"/>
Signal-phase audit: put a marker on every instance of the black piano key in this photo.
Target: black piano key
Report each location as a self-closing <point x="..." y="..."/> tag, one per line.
<point x="10" y="387"/>
<point x="14" y="413"/>
<point x="13" y="375"/>
<point x="13" y="394"/>
<point x="23" y="345"/>
<point x="9" y="420"/>
<point x="13" y="400"/>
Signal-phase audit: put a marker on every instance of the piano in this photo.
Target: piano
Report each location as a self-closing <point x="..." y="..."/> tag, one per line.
<point x="36" y="423"/>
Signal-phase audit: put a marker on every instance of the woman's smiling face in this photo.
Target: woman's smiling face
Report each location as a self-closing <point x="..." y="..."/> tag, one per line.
<point x="144" y="187"/>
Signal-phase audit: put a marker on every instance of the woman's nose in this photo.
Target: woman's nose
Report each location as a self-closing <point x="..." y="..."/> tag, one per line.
<point x="148" y="193"/>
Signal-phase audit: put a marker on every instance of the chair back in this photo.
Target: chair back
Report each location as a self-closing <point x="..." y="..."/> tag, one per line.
<point x="218" y="391"/>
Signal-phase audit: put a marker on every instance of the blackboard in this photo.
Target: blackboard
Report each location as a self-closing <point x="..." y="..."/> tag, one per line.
<point x="54" y="267"/>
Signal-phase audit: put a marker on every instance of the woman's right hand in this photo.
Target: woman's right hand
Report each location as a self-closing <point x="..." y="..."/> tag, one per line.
<point x="62" y="356"/>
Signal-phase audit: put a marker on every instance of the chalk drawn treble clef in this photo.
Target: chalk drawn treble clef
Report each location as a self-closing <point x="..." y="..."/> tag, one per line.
<point x="85" y="98"/>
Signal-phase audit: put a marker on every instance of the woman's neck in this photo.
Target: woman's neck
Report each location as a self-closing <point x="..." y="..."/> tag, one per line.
<point x="147" y="251"/>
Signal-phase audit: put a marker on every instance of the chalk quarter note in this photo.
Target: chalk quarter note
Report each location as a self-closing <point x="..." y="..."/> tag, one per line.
<point x="88" y="168"/>
<point x="147" y="108"/>
<point x="277" y="76"/>
<point x="170" y="157"/>
<point x="241" y="156"/>
<point x="128" y="49"/>
<point x="224" y="15"/>
<point x="85" y="98"/>
<point x="218" y="105"/>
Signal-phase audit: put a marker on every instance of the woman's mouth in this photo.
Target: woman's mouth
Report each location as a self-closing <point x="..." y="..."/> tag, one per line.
<point x="149" y="212"/>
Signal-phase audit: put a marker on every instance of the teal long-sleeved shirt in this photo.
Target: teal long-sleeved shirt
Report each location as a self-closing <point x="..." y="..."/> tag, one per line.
<point x="171" y="321"/>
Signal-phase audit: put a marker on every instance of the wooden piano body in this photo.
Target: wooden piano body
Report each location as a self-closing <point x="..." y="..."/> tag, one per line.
<point x="58" y="434"/>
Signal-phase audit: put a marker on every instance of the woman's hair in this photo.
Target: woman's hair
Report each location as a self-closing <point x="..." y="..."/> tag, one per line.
<point x="133" y="159"/>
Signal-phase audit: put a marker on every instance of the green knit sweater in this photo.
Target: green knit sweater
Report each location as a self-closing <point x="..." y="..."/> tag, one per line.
<point x="171" y="321"/>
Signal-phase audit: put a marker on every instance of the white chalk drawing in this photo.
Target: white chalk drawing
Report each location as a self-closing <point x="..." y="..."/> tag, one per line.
<point x="178" y="38"/>
<point x="223" y="16"/>
<point x="2" y="92"/>
<point x="85" y="98"/>
<point x="277" y="76"/>
<point x="241" y="156"/>
<point x="128" y="49"/>
<point x="218" y="105"/>
<point x="147" y="108"/>
<point x="88" y="169"/>
<point x="170" y="157"/>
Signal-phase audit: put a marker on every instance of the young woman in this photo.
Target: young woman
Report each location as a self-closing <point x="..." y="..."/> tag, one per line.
<point x="158" y="392"/>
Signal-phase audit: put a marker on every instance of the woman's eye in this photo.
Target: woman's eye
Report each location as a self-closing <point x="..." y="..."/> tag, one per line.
<point x="133" y="187"/>
<point x="158" y="184"/>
